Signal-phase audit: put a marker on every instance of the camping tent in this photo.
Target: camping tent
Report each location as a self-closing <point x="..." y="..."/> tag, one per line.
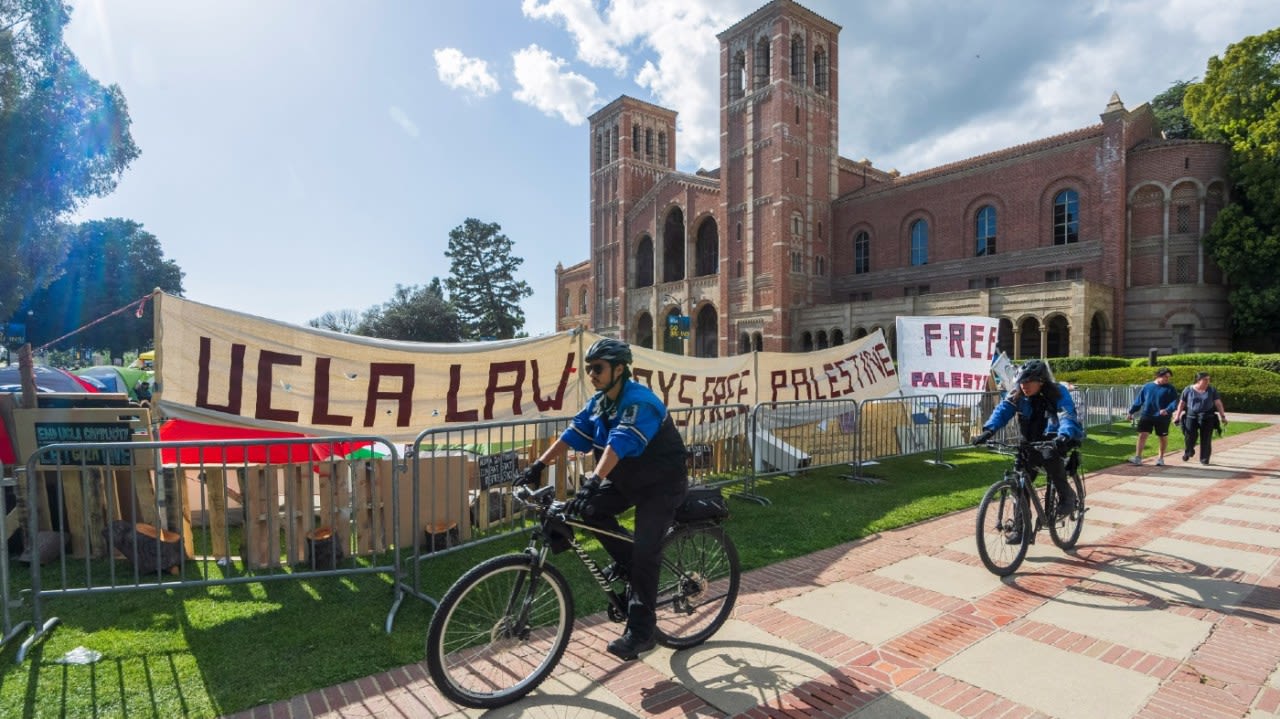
<point x="118" y="379"/>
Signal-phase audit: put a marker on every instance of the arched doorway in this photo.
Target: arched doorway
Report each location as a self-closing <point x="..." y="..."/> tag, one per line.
<point x="1029" y="338"/>
<point x="806" y="342"/>
<point x="706" y="337"/>
<point x="1098" y="335"/>
<point x="671" y="342"/>
<point x="837" y="338"/>
<point x="1004" y="337"/>
<point x="644" y="330"/>
<point x="1058" y="338"/>
<point x="707" y="249"/>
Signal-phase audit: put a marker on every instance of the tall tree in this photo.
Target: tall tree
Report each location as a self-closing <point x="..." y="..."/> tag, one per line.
<point x="109" y="263"/>
<point x="345" y="321"/>
<point x="65" y="138"/>
<point x="482" y="281"/>
<point x="1169" y="112"/>
<point x="1238" y="102"/>
<point x="414" y="314"/>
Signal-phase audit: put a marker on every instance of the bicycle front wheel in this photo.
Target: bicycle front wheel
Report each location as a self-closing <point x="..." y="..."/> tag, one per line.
<point x="1065" y="530"/>
<point x="1004" y="528"/>
<point x="499" y="631"/>
<point x="697" y="585"/>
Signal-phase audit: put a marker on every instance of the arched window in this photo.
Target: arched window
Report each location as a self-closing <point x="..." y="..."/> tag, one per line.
<point x="635" y="140"/>
<point x="644" y="262"/>
<point x="644" y="331"/>
<point x="797" y="225"/>
<point x="707" y="250"/>
<point x="568" y="306"/>
<point x="820" y="71"/>
<point x="919" y="243"/>
<point x="1066" y="217"/>
<point x="986" y="231"/>
<point x="662" y="147"/>
<point x="798" y="56"/>
<point x="599" y="151"/>
<point x="761" y="64"/>
<point x="861" y="253"/>
<point x="648" y="145"/>
<point x="673" y="246"/>
<point x="738" y="76"/>
<point x="707" y="333"/>
<point x="582" y="301"/>
<point x="757" y="341"/>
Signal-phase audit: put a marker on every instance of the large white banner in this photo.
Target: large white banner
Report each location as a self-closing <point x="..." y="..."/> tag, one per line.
<point x="215" y="365"/>
<point x="937" y="355"/>
<point x="221" y="366"/>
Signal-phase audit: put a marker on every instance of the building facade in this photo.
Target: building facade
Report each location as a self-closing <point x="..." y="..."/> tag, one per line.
<point x="1088" y="242"/>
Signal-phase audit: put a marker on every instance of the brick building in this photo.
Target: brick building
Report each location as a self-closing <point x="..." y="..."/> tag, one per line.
<point x="1088" y="242"/>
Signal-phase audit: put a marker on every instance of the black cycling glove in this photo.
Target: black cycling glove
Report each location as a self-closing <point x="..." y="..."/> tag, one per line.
<point x="532" y="475"/>
<point x="983" y="438"/>
<point x="588" y="488"/>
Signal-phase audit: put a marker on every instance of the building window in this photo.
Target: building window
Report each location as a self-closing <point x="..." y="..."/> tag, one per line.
<point x="986" y="231"/>
<point x="1052" y="275"/>
<point x="1184" y="270"/>
<point x="761" y="64"/>
<point x="861" y="253"/>
<point x="992" y="282"/>
<point x="797" y="114"/>
<point x="984" y="282"/>
<point x="1066" y="217"/>
<point x="915" y="291"/>
<point x="1184" y="218"/>
<point x="662" y="147"/>
<point x="582" y="301"/>
<point x="635" y="140"/>
<point x="820" y="71"/>
<point x="1075" y="273"/>
<point x="797" y="63"/>
<point x="567" y="300"/>
<point x="919" y="243"/>
<point x="797" y="225"/>
<point x="648" y="145"/>
<point x="599" y="151"/>
<point x="797" y="262"/>
<point x="797" y="168"/>
<point x="738" y="76"/>
<point x="819" y="265"/>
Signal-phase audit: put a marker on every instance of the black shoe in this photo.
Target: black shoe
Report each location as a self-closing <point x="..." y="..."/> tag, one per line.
<point x="629" y="646"/>
<point x="1186" y="455"/>
<point x="1066" y="507"/>
<point x="616" y="573"/>
<point x="1204" y="461"/>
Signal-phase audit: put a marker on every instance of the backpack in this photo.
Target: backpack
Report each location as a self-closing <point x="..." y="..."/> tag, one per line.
<point x="703" y="504"/>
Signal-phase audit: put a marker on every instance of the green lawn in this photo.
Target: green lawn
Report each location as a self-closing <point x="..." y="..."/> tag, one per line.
<point x="204" y="652"/>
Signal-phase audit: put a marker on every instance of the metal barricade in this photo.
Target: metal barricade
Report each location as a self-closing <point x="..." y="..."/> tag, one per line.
<point x="963" y="414"/>
<point x="717" y="439"/>
<point x="145" y="515"/>
<point x="8" y="628"/>
<point x="795" y="435"/>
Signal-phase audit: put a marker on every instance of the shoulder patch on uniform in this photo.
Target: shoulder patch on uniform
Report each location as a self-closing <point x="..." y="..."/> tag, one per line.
<point x="628" y="414"/>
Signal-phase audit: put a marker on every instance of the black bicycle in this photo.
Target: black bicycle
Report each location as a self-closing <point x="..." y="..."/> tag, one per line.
<point x="504" y="625"/>
<point x="1011" y="514"/>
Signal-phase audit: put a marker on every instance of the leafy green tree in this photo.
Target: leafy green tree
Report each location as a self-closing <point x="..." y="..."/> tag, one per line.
<point x="345" y="321"/>
<point x="1238" y="103"/>
<point x="482" y="281"/>
<point x="414" y="314"/>
<point x="1170" y="113"/>
<point x="63" y="139"/>
<point x="109" y="264"/>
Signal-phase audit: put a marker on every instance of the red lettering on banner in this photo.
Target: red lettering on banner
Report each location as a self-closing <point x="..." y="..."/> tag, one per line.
<point x="496" y="369"/>
<point x="403" y="397"/>
<point x="451" y="413"/>
<point x="556" y="401"/>
<point x="235" y="378"/>
<point x="266" y="361"/>
<point x="320" y="410"/>
<point x="932" y="331"/>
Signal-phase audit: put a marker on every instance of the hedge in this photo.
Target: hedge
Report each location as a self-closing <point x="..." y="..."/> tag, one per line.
<point x="1243" y="389"/>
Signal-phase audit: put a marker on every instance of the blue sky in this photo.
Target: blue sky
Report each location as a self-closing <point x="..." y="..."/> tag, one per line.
<point x="305" y="156"/>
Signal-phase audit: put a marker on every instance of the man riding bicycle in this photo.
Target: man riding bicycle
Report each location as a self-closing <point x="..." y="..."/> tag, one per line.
<point x="640" y="462"/>
<point x="1045" y="411"/>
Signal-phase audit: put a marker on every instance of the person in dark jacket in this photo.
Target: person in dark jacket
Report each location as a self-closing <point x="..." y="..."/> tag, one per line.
<point x="640" y="462"/>
<point x="1045" y="411"/>
<point x="1199" y="411"/>
<point x="1154" y="406"/>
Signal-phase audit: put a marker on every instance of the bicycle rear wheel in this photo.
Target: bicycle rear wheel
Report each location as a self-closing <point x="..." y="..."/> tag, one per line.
<point x="1065" y="530"/>
<point x="697" y="585"/>
<point x="1002" y="517"/>
<point x="499" y="631"/>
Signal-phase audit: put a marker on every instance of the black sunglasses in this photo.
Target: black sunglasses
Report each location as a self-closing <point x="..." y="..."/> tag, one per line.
<point x="597" y="368"/>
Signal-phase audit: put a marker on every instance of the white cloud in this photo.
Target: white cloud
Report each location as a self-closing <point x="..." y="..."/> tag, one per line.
<point x="547" y="86"/>
<point x="401" y="119"/>
<point x="595" y="38"/>
<point x="460" y="72"/>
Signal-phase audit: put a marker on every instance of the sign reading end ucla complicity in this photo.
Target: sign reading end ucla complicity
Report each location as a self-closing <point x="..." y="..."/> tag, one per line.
<point x="216" y="365"/>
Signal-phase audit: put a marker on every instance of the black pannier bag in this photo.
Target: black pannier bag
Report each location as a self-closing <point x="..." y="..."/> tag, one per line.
<point x="703" y="504"/>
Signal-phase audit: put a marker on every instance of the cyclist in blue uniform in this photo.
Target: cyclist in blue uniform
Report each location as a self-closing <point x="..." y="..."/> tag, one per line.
<point x="640" y="462"/>
<point x="1045" y="411"/>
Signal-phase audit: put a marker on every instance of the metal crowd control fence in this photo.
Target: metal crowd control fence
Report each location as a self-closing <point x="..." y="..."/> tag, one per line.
<point x="8" y="526"/>
<point x="463" y="474"/>
<point x="797" y="435"/>
<point x="1106" y="404"/>
<point x="125" y="516"/>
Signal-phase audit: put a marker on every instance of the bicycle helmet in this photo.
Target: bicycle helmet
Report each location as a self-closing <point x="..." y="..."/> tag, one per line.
<point x="1035" y="371"/>
<point x="613" y="351"/>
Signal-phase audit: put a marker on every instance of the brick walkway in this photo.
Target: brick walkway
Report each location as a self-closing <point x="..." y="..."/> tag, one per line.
<point x="1170" y="607"/>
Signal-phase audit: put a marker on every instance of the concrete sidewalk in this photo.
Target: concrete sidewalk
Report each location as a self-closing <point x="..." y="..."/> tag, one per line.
<point x="1170" y="607"/>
